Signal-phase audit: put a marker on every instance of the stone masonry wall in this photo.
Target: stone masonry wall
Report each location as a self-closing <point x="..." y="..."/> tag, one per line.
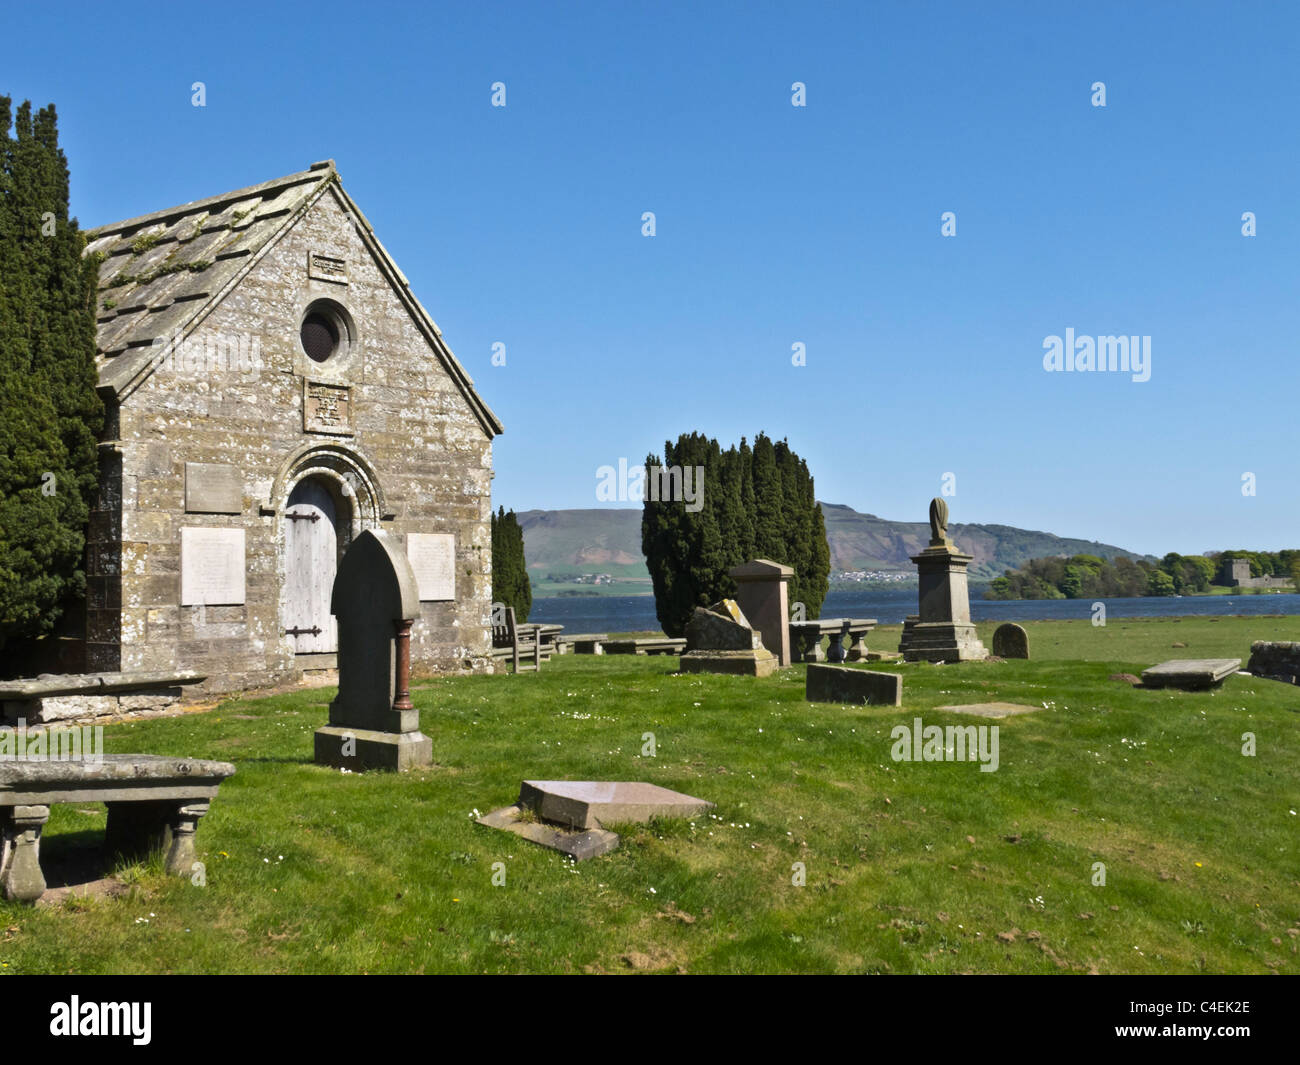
<point x="412" y="429"/>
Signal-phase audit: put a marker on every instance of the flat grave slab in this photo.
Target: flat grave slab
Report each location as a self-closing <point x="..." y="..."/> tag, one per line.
<point x="989" y="709"/>
<point x="1190" y="674"/>
<point x="570" y="815"/>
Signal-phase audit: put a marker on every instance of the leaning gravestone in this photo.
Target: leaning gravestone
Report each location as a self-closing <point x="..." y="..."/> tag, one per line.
<point x="1010" y="641"/>
<point x="719" y="639"/>
<point x="372" y="723"/>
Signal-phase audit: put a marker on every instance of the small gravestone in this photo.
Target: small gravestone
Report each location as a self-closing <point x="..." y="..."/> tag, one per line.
<point x="1010" y="641"/>
<point x="372" y="724"/>
<point x="844" y="684"/>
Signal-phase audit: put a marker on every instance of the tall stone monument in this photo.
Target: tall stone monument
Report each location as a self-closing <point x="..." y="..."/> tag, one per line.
<point x="943" y="632"/>
<point x="372" y="723"/>
<point x="763" y="592"/>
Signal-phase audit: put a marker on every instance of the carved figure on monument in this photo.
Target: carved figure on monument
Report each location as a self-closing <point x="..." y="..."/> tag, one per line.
<point x="939" y="523"/>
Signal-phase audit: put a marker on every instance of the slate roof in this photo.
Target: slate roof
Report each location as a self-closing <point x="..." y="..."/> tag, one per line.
<point x="162" y="272"/>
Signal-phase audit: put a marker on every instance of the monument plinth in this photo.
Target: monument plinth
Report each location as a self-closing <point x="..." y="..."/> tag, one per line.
<point x="943" y="631"/>
<point x="372" y="723"/>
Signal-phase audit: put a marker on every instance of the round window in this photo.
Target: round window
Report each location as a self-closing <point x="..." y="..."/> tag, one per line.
<point x="320" y="337"/>
<point x="325" y="328"/>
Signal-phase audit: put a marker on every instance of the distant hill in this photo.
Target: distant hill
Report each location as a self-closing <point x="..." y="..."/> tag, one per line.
<point x="866" y="542"/>
<point x="570" y="542"/>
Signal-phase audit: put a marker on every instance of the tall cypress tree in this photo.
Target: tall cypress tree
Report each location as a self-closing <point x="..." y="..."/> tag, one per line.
<point x="510" y="584"/>
<point x="770" y="529"/>
<point x="756" y="504"/>
<point x="50" y="414"/>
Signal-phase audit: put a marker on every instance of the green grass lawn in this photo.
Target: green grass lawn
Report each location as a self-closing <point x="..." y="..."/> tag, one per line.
<point x="910" y="867"/>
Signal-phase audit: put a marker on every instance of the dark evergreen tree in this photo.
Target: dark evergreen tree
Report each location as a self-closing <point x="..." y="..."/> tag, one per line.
<point x="769" y="503"/>
<point x="50" y="413"/>
<point x="747" y="512"/>
<point x="510" y="584"/>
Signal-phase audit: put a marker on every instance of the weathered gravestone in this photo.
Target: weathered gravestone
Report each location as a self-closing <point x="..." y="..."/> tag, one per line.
<point x="719" y="639"/>
<point x="372" y="723"/>
<point x="1010" y="641"/>
<point x="844" y="684"/>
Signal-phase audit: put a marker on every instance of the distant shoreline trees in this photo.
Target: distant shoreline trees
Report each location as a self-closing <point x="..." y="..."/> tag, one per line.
<point x="1090" y="577"/>
<point x="756" y="503"/>
<point x="50" y="412"/>
<point x="509" y="566"/>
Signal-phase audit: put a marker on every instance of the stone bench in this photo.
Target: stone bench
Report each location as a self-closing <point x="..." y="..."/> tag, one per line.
<point x="153" y="801"/>
<point x="806" y="639"/>
<point x="581" y="643"/>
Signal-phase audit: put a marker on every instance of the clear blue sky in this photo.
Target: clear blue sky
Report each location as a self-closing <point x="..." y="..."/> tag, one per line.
<point x="776" y="225"/>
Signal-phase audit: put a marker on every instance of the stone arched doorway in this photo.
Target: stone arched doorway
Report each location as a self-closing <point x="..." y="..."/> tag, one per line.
<point x="337" y="483"/>
<point x="317" y="530"/>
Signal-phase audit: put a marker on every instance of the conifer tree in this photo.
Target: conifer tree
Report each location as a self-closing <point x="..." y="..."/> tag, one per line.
<point x="757" y="503"/>
<point x="510" y="584"/>
<point x="50" y="413"/>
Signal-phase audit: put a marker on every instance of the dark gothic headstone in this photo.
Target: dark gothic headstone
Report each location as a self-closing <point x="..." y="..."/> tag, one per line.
<point x="372" y="723"/>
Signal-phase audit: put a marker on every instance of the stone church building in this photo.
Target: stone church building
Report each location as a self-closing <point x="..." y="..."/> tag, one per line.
<point x="273" y="387"/>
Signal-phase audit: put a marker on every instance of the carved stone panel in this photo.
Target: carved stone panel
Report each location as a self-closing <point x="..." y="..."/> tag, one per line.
<point x="325" y="268"/>
<point x="326" y="408"/>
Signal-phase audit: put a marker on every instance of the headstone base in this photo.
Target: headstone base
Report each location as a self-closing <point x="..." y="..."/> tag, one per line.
<point x="372" y="750"/>
<point x="756" y="663"/>
<point x="944" y="641"/>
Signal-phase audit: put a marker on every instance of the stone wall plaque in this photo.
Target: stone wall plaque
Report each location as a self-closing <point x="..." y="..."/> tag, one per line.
<point x="433" y="557"/>
<point x="213" y="488"/>
<point x="212" y="567"/>
<point x="325" y="268"/>
<point x="326" y="408"/>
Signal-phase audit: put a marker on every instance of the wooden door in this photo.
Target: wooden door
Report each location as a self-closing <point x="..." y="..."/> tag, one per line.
<point x="310" y="561"/>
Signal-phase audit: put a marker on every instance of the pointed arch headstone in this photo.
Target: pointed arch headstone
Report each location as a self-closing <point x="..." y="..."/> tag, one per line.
<point x="372" y="724"/>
